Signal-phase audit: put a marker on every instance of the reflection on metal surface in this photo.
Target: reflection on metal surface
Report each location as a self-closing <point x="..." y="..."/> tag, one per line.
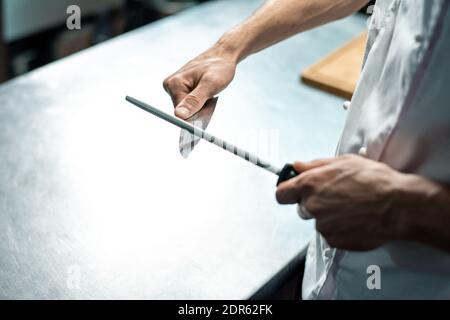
<point x="201" y="119"/>
<point x="95" y="200"/>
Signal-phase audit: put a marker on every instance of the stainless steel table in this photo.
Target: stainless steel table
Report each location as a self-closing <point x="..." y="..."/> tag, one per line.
<point x="95" y="199"/>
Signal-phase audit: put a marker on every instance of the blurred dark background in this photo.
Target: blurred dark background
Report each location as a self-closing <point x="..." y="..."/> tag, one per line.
<point x="34" y="32"/>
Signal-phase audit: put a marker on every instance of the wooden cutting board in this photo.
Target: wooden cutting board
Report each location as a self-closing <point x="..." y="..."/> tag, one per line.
<point x="338" y="72"/>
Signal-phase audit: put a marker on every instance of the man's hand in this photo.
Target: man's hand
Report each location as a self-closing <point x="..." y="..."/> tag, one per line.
<point x="199" y="80"/>
<point x="351" y="198"/>
<point x="359" y="204"/>
<point x="210" y="73"/>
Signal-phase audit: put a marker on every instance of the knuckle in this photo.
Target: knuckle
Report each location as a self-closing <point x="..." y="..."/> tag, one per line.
<point x="165" y="82"/>
<point x="309" y="185"/>
<point x="211" y="79"/>
<point x="279" y="196"/>
<point x="284" y="193"/>
<point x="172" y="81"/>
<point x="311" y="205"/>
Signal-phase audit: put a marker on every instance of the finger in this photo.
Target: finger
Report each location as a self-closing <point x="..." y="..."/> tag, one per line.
<point x="300" y="166"/>
<point x="305" y="184"/>
<point x="176" y="89"/>
<point x="193" y="102"/>
<point x="289" y="192"/>
<point x="178" y="96"/>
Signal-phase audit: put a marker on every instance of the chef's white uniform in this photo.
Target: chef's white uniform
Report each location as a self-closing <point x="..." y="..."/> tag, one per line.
<point x="399" y="115"/>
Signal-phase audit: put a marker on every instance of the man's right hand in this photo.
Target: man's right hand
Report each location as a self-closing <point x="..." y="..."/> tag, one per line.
<point x="199" y="80"/>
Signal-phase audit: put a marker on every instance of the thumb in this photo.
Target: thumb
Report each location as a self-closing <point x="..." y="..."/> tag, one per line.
<point x="192" y="103"/>
<point x="305" y="166"/>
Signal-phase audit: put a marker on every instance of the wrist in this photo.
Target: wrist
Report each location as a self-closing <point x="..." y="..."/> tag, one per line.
<point x="418" y="202"/>
<point x="231" y="46"/>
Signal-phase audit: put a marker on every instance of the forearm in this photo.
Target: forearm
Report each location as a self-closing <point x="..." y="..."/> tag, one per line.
<point x="277" y="20"/>
<point x="423" y="208"/>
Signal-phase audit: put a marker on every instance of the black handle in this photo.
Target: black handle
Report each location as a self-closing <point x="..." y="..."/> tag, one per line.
<point x="287" y="173"/>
